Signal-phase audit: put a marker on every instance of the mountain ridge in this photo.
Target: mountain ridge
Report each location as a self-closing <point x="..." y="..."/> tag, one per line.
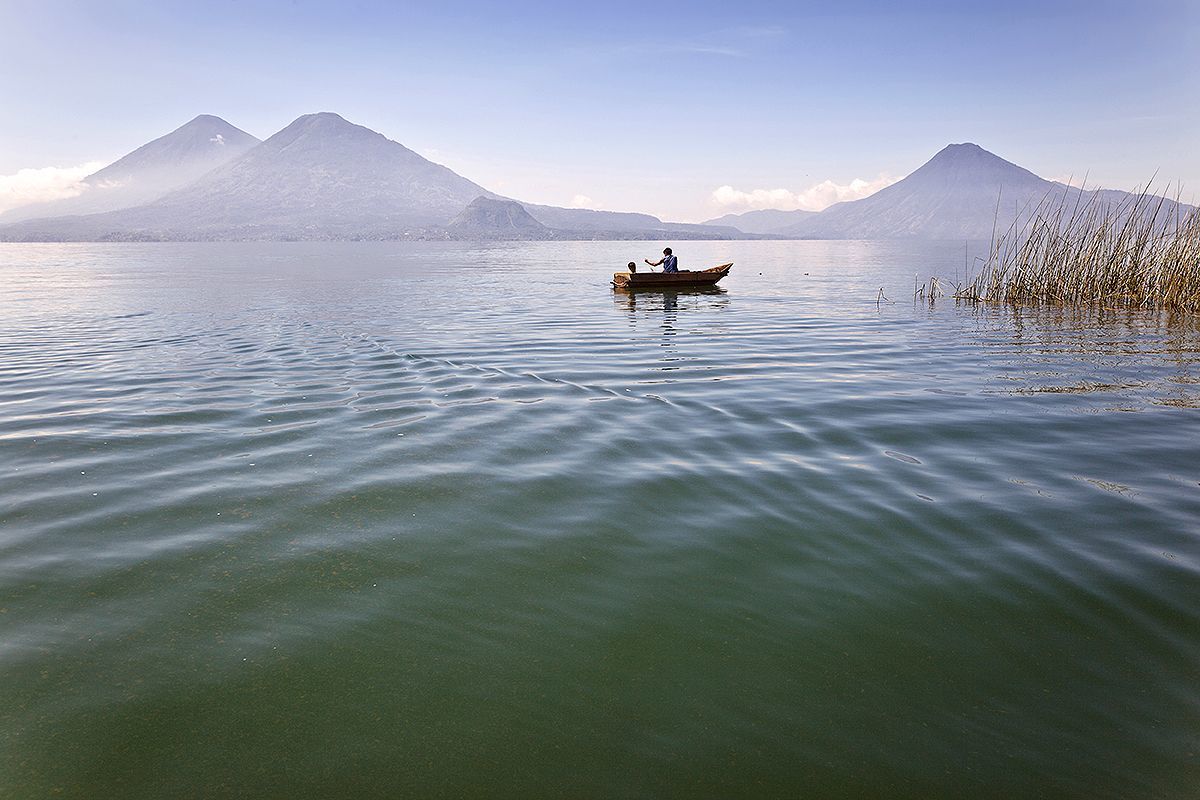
<point x="323" y="177"/>
<point x="764" y="220"/>
<point x="298" y="177"/>
<point x="962" y="192"/>
<point x="149" y="172"/>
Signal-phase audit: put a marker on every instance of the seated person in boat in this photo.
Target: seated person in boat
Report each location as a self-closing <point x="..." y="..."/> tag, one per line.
<point x="668" y="261"/>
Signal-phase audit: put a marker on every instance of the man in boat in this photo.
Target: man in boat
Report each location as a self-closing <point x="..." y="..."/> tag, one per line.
<point x="668" y="261"/>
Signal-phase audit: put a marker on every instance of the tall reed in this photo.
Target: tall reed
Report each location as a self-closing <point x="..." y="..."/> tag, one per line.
<point x="1080" y="249"/>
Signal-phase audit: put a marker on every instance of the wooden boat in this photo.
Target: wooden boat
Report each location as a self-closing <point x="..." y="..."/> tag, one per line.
<point x="670" y="280"/>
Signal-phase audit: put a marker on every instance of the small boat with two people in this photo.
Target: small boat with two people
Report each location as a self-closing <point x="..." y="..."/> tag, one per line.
<point x="671" y="276"/>
<point x="670" y="280"/>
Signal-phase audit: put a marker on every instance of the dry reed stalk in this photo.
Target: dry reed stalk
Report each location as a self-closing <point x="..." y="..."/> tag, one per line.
<point x="1140" y="251"/>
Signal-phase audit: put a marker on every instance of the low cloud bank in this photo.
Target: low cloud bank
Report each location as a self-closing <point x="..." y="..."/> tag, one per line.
<point x="28" y="186"/>
<point x="814" y="198"/>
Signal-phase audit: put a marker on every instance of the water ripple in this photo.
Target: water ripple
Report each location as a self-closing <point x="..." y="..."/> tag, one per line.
<point x="445" y="515"/>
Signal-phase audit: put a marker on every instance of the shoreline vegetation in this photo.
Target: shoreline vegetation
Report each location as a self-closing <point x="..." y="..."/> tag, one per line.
<point x="1143" y="252"/>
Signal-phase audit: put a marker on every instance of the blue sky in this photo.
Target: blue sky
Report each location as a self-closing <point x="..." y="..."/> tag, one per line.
<point x="631" y="106"/>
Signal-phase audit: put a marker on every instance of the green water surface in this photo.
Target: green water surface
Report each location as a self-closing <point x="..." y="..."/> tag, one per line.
<point x="452" y="520"/>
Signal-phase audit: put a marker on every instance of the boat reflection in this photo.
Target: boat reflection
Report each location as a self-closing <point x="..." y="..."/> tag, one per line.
<point x="671" y="302"/>
<point x="653" y="299"/>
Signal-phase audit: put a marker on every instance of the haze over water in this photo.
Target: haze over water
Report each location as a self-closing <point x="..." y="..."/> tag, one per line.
<point x="321" y="520"/>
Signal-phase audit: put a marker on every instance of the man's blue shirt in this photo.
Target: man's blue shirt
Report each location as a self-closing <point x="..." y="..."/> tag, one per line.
<point x="670" y="264"/>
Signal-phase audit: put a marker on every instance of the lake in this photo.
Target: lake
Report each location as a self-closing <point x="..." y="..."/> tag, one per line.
<point x="325" y="520"/>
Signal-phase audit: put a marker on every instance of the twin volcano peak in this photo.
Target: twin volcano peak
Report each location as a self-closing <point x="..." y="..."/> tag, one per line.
<point x="321" y="176"/>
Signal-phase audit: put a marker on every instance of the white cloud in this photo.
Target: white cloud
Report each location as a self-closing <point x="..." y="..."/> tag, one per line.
<point x="815" y="198"/>
<point x="218" y="139"/>
<point x="582" y="201"/>
<point x="42" y="185"/>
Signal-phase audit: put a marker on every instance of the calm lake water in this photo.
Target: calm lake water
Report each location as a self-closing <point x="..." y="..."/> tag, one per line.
<point x="443" y="520"/>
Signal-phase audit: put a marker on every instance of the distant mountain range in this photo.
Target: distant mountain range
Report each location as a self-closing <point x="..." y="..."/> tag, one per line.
<point x="322" y="177"/>
<point x="768" y="220"/>
<point x="960" y="193"/>
<point x="963" y="192"/>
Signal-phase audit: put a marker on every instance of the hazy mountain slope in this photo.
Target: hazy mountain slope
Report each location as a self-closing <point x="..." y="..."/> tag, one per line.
<point x="319" y="175"/>
<point x="151" y="171"/>
<point x="322" y="177"/>
<point x="768" y="220"/>
<point x="952" y="196"/>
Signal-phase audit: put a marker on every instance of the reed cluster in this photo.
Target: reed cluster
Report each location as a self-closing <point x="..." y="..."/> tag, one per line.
<point x="1079" y="249"/>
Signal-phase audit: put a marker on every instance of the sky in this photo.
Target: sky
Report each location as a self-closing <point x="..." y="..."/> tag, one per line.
<point x="682" y="110"/>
